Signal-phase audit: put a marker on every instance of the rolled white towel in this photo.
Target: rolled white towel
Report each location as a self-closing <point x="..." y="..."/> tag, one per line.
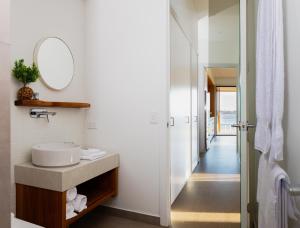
<point x="71" y="194"/>
<point x="70" y="210"/>
<point x="70" y="215"/>
<point x="79" y="203"/>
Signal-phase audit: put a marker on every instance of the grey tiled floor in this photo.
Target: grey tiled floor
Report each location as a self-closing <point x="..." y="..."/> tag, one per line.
<point x="214" y="188"/>
<point x="97" y="220"/>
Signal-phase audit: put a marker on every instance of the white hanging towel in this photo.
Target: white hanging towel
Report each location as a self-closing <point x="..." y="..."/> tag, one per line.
<point x="276" y="205"/>
<point x="276" y="152"/>
<point x="264" y="74"/>
<point x="270" y="79"/>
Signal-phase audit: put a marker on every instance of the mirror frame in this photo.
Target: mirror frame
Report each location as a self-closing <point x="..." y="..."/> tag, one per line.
<point x="35" y="60"/>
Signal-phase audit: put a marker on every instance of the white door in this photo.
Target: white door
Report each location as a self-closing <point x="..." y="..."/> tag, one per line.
<point x="242" y="122"/>
<point x="180" y="109"/>
<point x="242" y="149"/>
<point x="243" y="146"/>
<point x="180" y="131"/>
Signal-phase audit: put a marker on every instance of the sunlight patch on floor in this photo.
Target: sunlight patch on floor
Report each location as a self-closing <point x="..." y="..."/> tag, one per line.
<point x="215" y="177"/>
<point x="205" y="217"/>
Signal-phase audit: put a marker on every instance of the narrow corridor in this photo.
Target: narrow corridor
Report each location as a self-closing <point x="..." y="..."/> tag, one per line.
<point x="211" y="198"/>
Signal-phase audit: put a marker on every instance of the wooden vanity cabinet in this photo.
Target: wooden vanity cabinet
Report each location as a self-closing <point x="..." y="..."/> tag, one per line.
<point x="47" y="208"/>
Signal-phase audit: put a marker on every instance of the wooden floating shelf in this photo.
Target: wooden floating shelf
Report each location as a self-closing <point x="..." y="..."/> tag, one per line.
<point x="40" y="103"/>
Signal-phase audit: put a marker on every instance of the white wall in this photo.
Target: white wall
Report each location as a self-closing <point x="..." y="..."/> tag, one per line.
<point x="5" y="21"/>
<point x="5" y="190"/>
<point x="186" y="14"/>
<point x="32" y="20"/>
<point x="194" y="109"/>
<point x="224" y="32"/>
<point x="202" y="8"/>
<point x="202" y="11"/>
<point x="292" y="92"/>
<point x="180" y="109"/>
<point x="126" y="80"/>
<point x="184" y="137"/>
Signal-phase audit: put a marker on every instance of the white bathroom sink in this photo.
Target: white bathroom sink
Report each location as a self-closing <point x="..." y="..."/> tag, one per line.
<point x="55" y="154"/>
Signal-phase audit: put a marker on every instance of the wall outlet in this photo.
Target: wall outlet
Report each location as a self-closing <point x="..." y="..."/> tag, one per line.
<point x="92" y="125"/>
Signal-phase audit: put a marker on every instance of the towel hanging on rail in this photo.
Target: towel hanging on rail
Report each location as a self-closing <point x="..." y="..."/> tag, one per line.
<point x="275" y="202"/>
<point x="270" y="79"/>
<point x="276" y="205"/>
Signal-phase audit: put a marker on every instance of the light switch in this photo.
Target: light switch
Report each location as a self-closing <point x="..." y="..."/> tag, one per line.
<point x="154" y="118"/>
<point x="92" y="125"/>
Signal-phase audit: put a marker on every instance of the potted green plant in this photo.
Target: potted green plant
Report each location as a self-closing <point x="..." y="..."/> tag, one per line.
<point x="26" y="75"/>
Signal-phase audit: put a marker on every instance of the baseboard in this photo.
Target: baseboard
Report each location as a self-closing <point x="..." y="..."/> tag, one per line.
<point x="153" y="220"/>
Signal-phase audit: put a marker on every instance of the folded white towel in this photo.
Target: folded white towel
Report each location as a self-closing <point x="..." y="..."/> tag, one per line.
<point x="79" y="203"/>
<point x="71" y="194"/>
<point x="91" y="157"/>
<point x="70" y="215"/>
<point x="91" y="154"/>
<point x="90" y="151"/>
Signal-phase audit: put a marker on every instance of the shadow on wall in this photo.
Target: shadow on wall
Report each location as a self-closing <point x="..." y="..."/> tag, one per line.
<point x="221" y="5"/>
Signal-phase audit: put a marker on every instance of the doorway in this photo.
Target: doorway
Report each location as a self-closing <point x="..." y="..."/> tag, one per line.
<point x="220" y="162"/>
<point x="226" y="111"/>
<point x="211" y="196"/>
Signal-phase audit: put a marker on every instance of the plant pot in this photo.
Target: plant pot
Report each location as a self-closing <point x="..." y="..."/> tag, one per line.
<point x="25" y="93"/>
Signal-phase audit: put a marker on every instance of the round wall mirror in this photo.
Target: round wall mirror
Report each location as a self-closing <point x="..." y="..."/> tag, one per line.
<point x="55" y="62"/>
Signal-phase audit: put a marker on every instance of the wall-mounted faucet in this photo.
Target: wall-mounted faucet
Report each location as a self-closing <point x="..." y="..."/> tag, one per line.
<point x="41" y="113"/>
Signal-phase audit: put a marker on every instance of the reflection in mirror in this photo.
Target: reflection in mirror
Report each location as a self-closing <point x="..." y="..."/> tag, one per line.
<point x="55" y="62"/>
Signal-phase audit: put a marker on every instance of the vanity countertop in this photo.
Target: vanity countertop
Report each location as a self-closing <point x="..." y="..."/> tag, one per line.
<point x="64" y="178"/>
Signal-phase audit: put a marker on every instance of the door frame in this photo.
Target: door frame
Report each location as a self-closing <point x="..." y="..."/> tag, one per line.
<point x="244" y="114"/>
<point x="165" y="164"/>
<point x="204" y="69"/>
<point x="5" y="91"/>
<point x="197" y="120"/>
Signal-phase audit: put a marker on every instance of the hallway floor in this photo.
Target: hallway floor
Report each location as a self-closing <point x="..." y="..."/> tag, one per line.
<point x="210" y="199"/>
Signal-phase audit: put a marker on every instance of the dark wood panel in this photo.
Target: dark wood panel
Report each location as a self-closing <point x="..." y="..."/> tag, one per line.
<point x="40" y="103"/>
<point x="212" y="89"/>
<point x="41" y="206"/>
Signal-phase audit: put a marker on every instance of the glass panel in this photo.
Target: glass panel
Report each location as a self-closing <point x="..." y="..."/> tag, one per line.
<point x="227" y="112"/>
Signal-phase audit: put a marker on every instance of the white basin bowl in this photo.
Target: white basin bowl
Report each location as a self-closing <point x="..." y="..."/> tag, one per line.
<point x="55" y="154"/>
